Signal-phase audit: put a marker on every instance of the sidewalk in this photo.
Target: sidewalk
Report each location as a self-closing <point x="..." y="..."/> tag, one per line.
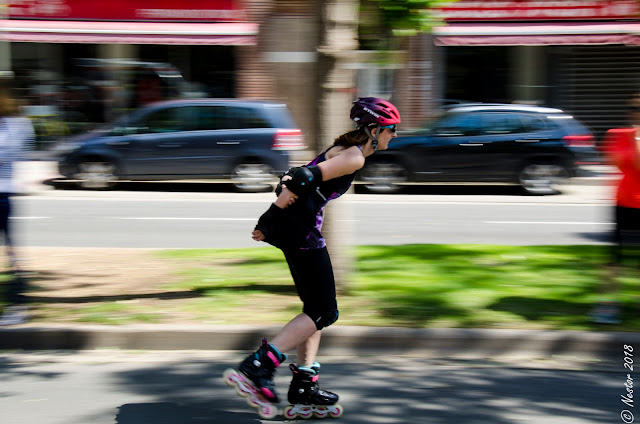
<point x="337" y="340"/>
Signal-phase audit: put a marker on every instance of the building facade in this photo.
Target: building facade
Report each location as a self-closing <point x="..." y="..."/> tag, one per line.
<point x="579" y="55"/>
<point x="582" y="56"/>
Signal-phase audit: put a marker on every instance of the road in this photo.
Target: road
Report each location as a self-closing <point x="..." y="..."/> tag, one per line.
<point x="187" y="388"/>
<point x="204" y="219"/>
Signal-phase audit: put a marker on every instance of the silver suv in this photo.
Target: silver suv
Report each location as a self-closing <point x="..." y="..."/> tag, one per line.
<point x="247" y="142"/>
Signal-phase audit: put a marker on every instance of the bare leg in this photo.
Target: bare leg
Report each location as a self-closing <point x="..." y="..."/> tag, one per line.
<point x="295" y="333"/>
<point x="308" y="350"/>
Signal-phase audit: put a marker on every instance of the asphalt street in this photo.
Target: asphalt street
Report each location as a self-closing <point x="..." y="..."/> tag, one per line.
<point x="144" y="218"/>
<point x="186" y="388"/>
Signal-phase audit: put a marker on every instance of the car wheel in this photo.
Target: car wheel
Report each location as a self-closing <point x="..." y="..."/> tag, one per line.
<point x="96" y="175"/>
<point x="383" y="177"/>
<point x="252" y="177"/>
<point x="541" y="178"/>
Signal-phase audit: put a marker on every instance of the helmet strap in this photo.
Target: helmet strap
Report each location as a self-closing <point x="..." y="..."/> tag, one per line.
<point x="374" y="140"/>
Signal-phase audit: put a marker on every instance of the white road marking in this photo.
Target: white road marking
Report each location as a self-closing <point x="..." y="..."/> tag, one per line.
<point x="546" y="223"/>
<point x="177" y="218"/>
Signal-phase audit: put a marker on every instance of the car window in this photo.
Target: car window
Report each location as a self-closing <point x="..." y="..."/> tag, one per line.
<point x="457" y="125"/>
<point x="248" y="118"/>
<point x="532" y="123"/>
<point x="501" y="123"/>
<point x="162" y="121"/>
<point x="225" y="118"/>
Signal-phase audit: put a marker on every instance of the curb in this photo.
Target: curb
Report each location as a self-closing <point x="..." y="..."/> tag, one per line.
<point x="599" y="346"/>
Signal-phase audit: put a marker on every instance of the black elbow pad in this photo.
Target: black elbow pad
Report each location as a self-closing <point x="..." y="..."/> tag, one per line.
<point x="303" y="179"/>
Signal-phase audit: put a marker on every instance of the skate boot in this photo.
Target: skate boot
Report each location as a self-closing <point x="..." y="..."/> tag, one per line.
<point x="307" y="399"/>
<point x="254" y="379"/>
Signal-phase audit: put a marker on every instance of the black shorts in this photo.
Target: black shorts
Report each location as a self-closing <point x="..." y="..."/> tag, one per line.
<point x="5" y="212"/>
<point x="626" y="235"/>
<point x="312" y="274"/>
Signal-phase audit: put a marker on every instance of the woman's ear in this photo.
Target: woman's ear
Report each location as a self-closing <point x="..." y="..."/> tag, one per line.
<point x="374" y="132"/>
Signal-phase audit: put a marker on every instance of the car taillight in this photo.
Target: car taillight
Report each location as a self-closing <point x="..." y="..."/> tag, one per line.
<point x="578" y="140"/>
<point x="288" y="140"/>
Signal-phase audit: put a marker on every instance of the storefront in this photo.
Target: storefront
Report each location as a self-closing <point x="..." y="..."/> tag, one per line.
<point x="579" y="55"/>
<point x="131" y="51"/>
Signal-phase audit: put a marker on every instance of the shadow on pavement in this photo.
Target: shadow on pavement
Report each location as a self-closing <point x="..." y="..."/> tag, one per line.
<point x="175" y="413"/>
<point x="379" y="391"/>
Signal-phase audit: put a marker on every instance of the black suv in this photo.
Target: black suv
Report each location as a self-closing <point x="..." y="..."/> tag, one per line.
<point x="532" y="146"/>
<point x="245" y="141"/>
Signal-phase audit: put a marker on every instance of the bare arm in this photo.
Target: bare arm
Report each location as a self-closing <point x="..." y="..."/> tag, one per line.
<point x="346" y="162"/>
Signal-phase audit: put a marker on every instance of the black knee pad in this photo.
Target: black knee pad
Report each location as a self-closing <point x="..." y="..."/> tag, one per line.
<point x="326" y="319"/>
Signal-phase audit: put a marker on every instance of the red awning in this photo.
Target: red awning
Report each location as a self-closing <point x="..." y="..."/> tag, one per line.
<point x="42" y="31"/>
<point x="537" y="34"/>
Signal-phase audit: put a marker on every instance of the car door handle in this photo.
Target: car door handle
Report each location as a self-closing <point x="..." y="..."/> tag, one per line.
<point x="170" y="145"/>
<point x="471" y="144"/>
<point x="118" y="143"/>
<point x="528" y="140"/>
<point x="229" y="142"/>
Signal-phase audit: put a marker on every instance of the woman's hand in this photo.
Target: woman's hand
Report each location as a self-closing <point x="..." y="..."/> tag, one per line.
<point x="257" y="235"/>
<point x="286" y="197"/>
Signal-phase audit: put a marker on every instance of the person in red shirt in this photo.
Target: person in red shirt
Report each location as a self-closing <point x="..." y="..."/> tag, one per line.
<point x="622" y="146"/>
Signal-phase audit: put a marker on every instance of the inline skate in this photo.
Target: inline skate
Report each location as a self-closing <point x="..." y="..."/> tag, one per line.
<point x="307" y="399"/>
<point x="254" y="379"/>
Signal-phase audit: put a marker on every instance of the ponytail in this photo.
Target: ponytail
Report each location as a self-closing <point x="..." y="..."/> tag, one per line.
<point x="356" y="137"/>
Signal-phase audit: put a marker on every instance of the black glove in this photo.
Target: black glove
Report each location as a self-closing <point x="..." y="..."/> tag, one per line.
<point x="268" y="224"/>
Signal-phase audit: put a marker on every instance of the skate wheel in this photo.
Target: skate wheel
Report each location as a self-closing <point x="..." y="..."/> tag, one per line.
<point x="252" y="402"/>
<point x="289" y="413"/>
<point x="336" y="411"/>
<point x="306" y="413"/>
<point x="241" y="392"/>
<point x="268" y="412"/>
<point x="321" y="412"/>
<point x="228" y="377"/>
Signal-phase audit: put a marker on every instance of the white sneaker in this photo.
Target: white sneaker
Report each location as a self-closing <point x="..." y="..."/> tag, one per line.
<point x="13" y="315"/>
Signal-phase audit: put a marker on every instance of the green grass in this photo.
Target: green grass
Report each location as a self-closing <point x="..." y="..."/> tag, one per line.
<point x="421" y="286"/>
<point x="551" y="287"/>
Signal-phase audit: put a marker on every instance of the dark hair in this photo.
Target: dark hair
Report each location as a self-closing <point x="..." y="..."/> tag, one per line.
<point x="356" y="137"/>
<point x="8" y="105"/>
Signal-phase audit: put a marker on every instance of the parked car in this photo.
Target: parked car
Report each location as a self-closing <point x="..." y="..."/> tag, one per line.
<point x="535" y="147"/>
<point x="247" y="142"/>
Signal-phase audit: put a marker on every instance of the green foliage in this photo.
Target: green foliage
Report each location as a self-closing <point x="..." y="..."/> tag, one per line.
<point x="381" y="20"/>
<point x="408" y="17"/>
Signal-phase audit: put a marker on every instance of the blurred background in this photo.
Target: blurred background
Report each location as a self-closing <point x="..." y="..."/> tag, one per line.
<point x="79" y="64"/>
<point x="521" y="91"/>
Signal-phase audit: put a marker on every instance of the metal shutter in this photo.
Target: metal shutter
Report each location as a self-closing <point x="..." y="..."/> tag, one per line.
<point x="595" y="83"/>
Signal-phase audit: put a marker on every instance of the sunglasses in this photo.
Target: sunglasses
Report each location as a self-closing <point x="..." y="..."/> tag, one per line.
<point x="392" y="128"/>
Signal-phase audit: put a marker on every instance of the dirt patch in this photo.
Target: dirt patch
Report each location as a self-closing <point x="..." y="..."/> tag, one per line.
<point x="62" y="281"/>
<point x="60" y="272"/>
<point x="122" y="286"/>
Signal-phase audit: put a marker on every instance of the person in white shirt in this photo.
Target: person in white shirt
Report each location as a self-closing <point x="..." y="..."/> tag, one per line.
<point x="16" y="138"/>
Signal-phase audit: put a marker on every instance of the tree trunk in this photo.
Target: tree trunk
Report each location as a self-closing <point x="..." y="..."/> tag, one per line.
<point x="336" y="88"/>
